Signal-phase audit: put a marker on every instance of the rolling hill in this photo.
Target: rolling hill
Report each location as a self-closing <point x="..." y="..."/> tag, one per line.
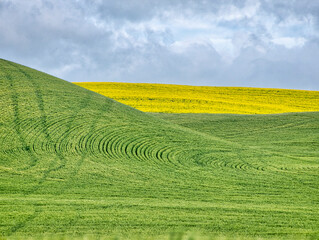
<point x="170" y="98"/>
<point x="75" y="163"/>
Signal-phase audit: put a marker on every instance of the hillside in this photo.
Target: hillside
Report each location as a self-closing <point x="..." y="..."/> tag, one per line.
<point x="170" y="98"/>
<point x="289" y="138"/>
<point x="73" y="163"/>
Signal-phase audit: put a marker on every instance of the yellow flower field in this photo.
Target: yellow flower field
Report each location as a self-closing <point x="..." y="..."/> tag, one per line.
<point x="196" y="99"/>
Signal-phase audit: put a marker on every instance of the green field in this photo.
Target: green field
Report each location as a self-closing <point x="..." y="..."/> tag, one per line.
<point x="75" y="164"/>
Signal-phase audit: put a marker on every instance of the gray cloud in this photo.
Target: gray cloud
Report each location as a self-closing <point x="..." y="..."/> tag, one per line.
<point x="144" y="10"/>
<point x="269" y="43"/>
<point x="278" y="67"/>
<point x="295" y="7"/>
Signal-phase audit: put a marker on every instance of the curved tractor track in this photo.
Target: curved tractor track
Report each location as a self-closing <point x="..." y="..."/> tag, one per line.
<point x="122" y="143"/>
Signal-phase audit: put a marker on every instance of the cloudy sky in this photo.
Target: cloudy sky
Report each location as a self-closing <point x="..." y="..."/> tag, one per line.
<point x="255" y="43"/>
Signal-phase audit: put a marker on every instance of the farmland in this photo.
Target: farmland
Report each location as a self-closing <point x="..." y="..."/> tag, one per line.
<point x="194" y="99"/>
<point x="76" y="164"/>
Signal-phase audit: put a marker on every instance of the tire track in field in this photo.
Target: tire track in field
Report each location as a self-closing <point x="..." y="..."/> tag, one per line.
<point x="262" y="130"/>
<point x="108" y="141"/>
<point x="225" y="159"/>
<point x="206" y="156"/>
<point x="16" y="121"/>
<point x="44" y="123"/>
<point x="43" y="120"/>
<point x="55" y="145"/>
<point x="20" y="225"/>
<point x="83" y="154"/>
<point x="119" y="144"/>
<point x="260" y="153"/>
<point x="113" y="143"/>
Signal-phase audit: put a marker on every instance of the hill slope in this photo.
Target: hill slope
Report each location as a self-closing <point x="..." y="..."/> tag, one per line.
<point x="75" y="162"/>
<point x="170" y="98"/>
<point x="289" y="138"/>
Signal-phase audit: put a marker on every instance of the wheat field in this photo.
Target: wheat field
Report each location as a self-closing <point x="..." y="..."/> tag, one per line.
<point x="77" y="165"/>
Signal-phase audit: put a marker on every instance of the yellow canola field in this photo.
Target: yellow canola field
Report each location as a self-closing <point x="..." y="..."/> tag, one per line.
<point x="197" y="99"/>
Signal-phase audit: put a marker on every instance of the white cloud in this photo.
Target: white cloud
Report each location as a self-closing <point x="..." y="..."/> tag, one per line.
<point x="290" y="42"/>
<point x="225" y="48"/>
<point x="66" y="69"/>
<point x="235" y="13"/>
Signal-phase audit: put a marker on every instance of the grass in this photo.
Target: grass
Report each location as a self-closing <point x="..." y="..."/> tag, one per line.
<point x="191" y="99"/>
<point x="75" y="164"/>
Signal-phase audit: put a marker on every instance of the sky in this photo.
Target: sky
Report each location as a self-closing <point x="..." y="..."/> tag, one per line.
<point x="249" y="43"/>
